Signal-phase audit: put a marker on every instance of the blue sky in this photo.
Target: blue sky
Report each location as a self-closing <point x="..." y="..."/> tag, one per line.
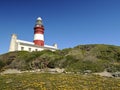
<point x="67" y="22"/>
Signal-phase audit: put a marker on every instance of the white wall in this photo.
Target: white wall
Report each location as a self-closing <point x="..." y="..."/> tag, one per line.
<point x="13" y="43"/>
<point x="29" y="46"/>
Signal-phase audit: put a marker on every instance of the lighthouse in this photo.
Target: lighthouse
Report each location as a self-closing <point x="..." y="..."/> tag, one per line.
<point x="37" y="44"/>
<point x="39" y="33"/>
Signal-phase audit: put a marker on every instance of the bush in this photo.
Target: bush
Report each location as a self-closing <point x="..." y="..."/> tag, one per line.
<point x="2" y="64"/>
<point x="82" y="66"/>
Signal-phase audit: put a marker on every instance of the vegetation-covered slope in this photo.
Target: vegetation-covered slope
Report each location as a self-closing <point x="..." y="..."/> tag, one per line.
<point x="95" y="57"/>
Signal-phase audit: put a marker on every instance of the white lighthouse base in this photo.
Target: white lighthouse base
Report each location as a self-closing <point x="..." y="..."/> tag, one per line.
<point x="21" y="45"/>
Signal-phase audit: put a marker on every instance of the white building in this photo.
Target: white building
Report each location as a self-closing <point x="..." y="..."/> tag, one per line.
<point x="37" y="45"/>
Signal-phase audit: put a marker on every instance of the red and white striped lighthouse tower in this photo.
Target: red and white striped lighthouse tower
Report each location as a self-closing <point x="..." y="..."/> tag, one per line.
<point x="39" y="33"/>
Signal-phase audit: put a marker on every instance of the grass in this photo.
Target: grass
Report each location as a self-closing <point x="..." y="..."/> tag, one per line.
<point x="47" y="81"/>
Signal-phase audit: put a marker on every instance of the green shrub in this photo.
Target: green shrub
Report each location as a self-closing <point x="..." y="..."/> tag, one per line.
<point x="2" y="64"/>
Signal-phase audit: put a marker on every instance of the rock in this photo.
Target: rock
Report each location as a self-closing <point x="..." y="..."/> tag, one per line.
<point x="10" y="71"/>
<point x="116" y="74"/>
<point x="105" y="74"/>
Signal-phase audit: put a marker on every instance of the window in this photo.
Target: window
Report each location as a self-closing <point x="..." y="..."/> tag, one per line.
<point x="36" y="50"/>
<point x="29" y="49"/>
<point x="22" y="48"/>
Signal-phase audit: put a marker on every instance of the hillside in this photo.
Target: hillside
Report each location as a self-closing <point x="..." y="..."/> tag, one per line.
<point x="95" y="58"/>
